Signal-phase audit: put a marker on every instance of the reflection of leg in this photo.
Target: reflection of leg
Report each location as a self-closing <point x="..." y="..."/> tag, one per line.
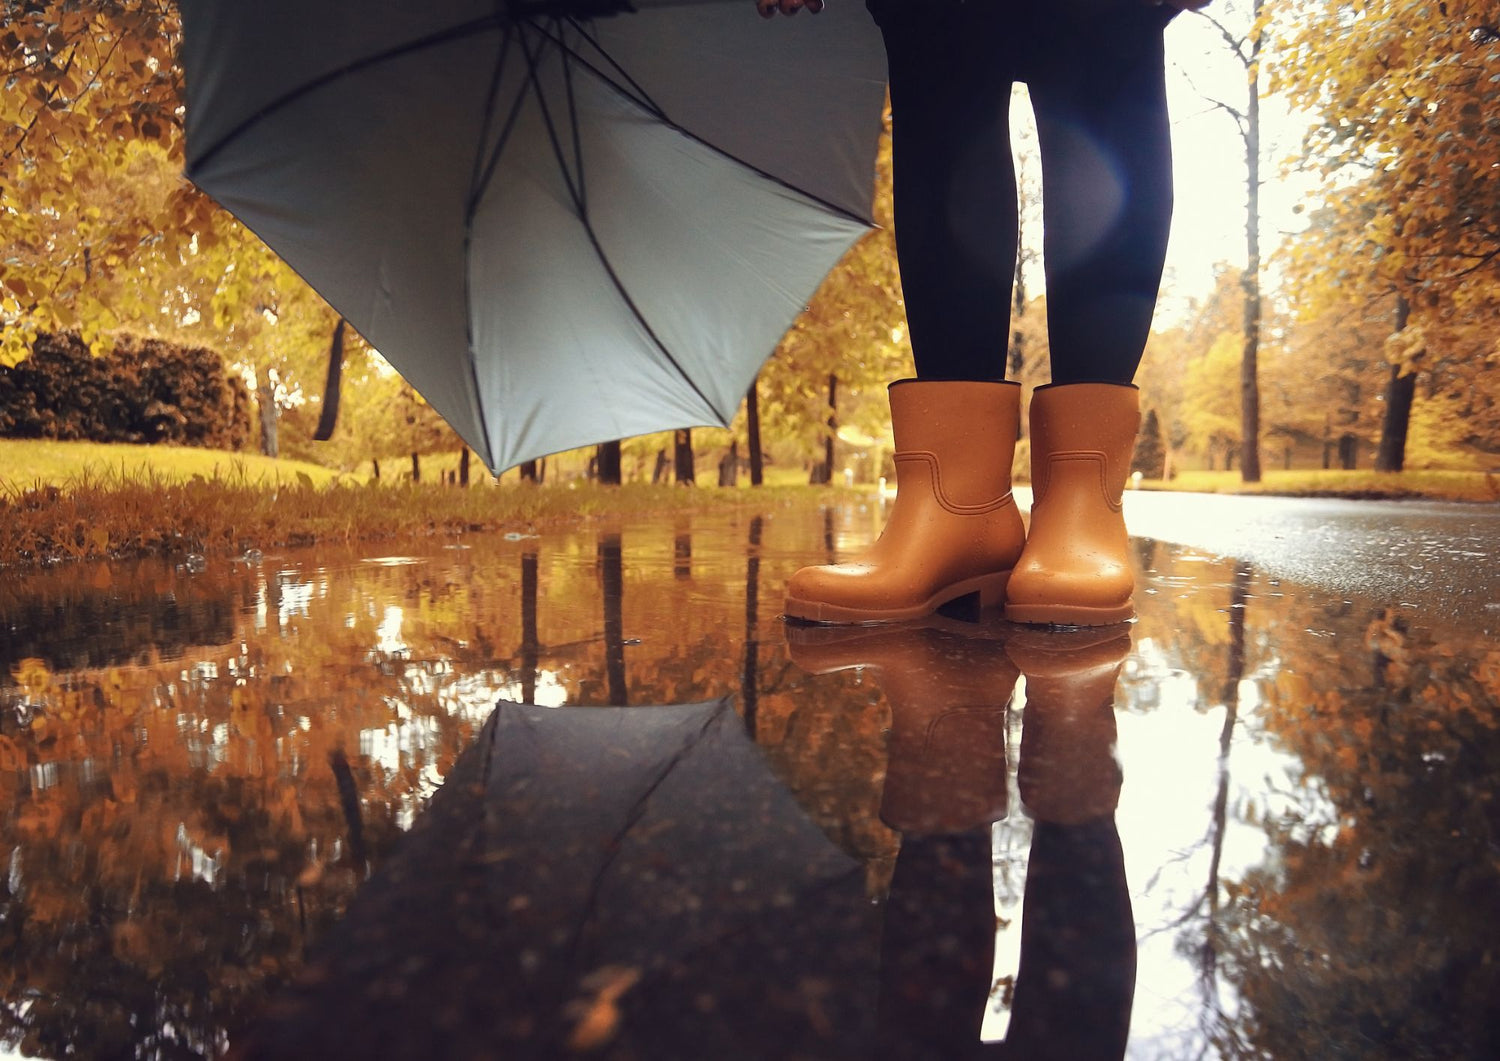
<point x="1106" y="159"/>
<point x="954" y="184"/>
<point x="1077" y="976"/>
<point x="937" y="952"/>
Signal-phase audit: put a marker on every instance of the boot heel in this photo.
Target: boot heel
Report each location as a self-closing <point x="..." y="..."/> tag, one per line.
<point x="992" y="589"/>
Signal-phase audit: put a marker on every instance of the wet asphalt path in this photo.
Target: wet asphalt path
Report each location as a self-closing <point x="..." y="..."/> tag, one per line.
<point x="1439" y="559"/>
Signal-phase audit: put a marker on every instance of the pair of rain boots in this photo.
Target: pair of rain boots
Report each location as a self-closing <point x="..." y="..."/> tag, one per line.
<point x="954" y="530"/>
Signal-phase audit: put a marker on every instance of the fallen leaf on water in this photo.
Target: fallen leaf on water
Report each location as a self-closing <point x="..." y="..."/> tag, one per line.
<point x="599" y="1017"/>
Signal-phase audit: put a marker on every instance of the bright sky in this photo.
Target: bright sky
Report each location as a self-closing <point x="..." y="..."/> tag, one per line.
<point x="1208" y="160"/>
<point x="1209" y="223"/>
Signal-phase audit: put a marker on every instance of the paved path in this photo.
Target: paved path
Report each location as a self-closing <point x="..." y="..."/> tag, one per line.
<point x="1440" y="558"/>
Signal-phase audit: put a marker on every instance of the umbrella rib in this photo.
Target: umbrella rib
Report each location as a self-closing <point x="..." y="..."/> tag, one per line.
<point x="646" y="102"/>
<point x="482" y="167"/>
<point x="532" y="62"/>
<point x="482" y="183"/>
<point x="581" y="204"/>
<point x="635" y="92"/>
<point x="567" y="68"/>
<point x="434" y="40"/>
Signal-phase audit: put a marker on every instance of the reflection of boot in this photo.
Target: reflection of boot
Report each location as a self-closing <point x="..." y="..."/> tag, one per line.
<point x="948" y="684"/>
<point x="1075" y="570"/>
<point x="1068" y="771"/>
<point x="1076" y="980"/>
<point x="948" y="687"/>
<point x="954" y="528"/>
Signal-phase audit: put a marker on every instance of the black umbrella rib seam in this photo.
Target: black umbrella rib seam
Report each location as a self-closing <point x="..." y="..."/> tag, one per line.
<point x="632" y="818"/>
<point x="446" y="36"/>
<point x="635" y="92"/>
<point x="638" y="96"/>
<point x="588" y="227"/>
<point x="483" y="167"/>
<point x="477" y="181"/>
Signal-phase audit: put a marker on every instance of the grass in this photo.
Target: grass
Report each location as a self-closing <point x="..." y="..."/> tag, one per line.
<point x="27" y="463"/>
<point x="77" y="501"/>
<point x="73" y="500"/>
<point x="1409" y="485"/>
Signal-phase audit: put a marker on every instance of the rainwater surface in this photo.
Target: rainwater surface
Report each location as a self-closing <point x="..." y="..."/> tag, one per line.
<point x="271" y="807"/>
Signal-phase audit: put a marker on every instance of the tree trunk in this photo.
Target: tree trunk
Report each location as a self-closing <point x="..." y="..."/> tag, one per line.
<point x="463" y="467"/>
<point x="607" y="456"/>
<point x="752" y="421"/>
<point x="683" y="469"/>
<point x="328" y="418"/>
<point x="375" y="464"/>
<point x="729" y="465"/>
<point x="1400" y="391"/>
<point x="416" y="467"/>
<point x="1249" y="371"/>
<point x="1348" y="451"/>
<point x="265" y="399"/>
<point x="823" y="473"/>
<point x="528" y="472"/>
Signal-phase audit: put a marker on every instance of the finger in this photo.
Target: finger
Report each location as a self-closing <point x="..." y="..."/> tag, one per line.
<point x="814" y="6"/>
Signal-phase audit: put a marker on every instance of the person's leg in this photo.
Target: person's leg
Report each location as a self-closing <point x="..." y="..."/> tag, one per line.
<point x="954" y="182"/>
<point x="1098" y="87"/>
<point x="954" y="530"/>
<point x="1099" y="93"/>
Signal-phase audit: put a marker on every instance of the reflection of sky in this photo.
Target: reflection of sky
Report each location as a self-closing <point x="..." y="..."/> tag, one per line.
<point x="1170" y="754"/>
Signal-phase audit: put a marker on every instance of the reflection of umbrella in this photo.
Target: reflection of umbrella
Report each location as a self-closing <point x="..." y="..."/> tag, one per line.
<point x="561" y="230"/>
<point x="636" y="869"/>
<point x="643" y="833"/>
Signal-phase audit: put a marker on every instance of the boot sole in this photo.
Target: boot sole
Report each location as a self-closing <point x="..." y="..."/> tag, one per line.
<point x="1068" y="614"/>
<point x="990" y="590"/>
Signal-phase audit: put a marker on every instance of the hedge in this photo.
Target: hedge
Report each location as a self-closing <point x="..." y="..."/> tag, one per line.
<point x="142" y="391"/>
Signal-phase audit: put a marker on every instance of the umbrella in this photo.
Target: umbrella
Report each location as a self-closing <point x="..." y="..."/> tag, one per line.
<point x="564" y="222"/>
<point x="641" y="866"/>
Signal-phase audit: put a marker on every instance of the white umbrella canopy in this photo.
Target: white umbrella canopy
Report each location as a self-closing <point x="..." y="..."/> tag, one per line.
<point x="560" y="229"/>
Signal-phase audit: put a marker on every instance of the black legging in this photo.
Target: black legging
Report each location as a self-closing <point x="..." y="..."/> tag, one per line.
<point x="1095" y="71"/>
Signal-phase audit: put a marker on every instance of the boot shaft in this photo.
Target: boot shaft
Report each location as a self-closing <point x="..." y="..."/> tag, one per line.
<point x="969" y="428"/>
<point x="1073" y="421"/>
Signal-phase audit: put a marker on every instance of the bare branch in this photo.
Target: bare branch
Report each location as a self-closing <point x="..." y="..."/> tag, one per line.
<point x="1236" y="44"/>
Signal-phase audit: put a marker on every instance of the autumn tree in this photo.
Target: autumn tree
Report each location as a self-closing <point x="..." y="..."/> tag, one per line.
<point x="1404" y="94"/>
<point x="848" y="344"/>
<point x="1241" y="25"/>
<point x="100" y="229"/>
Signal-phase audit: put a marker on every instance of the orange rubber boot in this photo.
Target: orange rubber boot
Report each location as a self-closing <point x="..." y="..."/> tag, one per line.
<point x="954" y="529"/>
<point x="1076" y="567"/>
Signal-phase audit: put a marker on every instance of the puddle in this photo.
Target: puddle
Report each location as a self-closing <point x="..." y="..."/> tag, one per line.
<point x="1262" y="825"/>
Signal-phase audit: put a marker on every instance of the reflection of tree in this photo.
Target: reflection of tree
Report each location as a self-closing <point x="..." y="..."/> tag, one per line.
<point x="612" y="574"/>
<point x="97" y="616"/>
<point x="1234" y="673"/>
<point x="530" y="645"/>
<point x="179" y="830"/>
<point x="1373" y="932"/>
<point x="750" y="674"/>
